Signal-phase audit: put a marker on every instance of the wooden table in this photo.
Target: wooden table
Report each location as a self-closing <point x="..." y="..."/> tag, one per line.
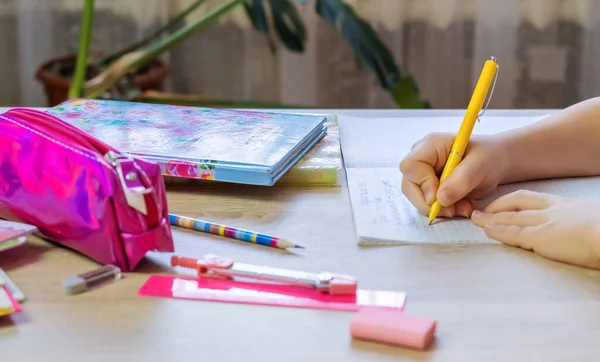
<point x="493" y="303"/>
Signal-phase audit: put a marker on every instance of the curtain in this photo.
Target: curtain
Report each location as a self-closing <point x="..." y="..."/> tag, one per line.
<point x="547" y="50"/>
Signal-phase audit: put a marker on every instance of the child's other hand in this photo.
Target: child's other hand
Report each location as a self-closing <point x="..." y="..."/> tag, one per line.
<point x="481" y="170"/>
<point x="558" y="228"/>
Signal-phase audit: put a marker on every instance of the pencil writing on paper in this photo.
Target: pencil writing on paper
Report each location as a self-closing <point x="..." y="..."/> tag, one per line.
<point x="382" y="214"/>
<point x="385" y="204"/>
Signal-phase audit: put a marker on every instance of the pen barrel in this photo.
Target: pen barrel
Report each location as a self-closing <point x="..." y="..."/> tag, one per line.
<point x="459" y="146"/>
<point x="483" y="85"/>
<point x="452" y="162"/>
<point x="285" y="276"/>
<point x="480" y="93"/>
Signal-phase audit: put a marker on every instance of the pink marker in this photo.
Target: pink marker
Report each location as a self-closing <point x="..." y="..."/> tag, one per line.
<point x="213" y="266"/>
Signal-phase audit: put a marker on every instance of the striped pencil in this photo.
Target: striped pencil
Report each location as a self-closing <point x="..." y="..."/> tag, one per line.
<point x="231" y="232"/>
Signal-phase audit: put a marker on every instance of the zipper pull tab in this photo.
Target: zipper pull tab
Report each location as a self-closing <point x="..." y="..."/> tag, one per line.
<point x="132" y="186"/>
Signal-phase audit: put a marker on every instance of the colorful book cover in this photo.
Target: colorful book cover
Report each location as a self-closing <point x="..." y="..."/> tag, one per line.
<point x="227" y="145"/>
<point x="321" y="166"/>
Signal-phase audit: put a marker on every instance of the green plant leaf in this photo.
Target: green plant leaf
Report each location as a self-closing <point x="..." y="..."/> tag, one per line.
<point x="180" y="35"/>
<point x="83" y="47"/>
<point x="257" y="14"/>
<point x="370" y="51"/>
<point x="255" y="10"/>
<point x="288" y="25"/>
<point x="170" y="26"/>
<point x="406" y="94"/>
<point x="131" y="62"/>
<point x="329" y="10"/>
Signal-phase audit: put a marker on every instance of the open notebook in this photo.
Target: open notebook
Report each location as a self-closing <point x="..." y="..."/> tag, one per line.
<point x="373" y="148"/>
<point x="227" y="145"/>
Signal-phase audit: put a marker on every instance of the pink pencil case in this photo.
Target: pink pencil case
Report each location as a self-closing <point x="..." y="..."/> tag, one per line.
<point x="80" y="192"/>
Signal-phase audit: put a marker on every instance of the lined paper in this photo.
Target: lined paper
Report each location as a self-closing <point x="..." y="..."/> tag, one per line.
<point x="383" y="215"/>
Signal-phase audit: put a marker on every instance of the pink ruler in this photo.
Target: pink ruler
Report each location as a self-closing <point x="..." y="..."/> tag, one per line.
<point x="230" y="291"/>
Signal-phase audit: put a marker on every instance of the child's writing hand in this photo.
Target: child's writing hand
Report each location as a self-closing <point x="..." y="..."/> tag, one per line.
<point x="479" y="173"/>
<point x="558" y="228"/>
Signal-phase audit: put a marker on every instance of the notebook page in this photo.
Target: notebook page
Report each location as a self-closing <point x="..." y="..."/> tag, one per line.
<point x="383" y="215"/>
<point x="383" y="142"/>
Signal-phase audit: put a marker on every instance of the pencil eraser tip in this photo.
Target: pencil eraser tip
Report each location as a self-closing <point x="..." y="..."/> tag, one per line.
<point x="393" y="327"/>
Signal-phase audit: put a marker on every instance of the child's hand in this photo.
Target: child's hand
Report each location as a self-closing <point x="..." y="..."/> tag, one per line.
<point x="558" y="228"/>
<point x="481" y="170"/>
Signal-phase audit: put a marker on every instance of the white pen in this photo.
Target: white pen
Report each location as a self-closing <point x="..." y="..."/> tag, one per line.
<point x="214" y="266"/>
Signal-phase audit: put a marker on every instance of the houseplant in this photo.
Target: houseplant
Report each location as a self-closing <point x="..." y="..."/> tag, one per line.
<point x="134" y="73"/>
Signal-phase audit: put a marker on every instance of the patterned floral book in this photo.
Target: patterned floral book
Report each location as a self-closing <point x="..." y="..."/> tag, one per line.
<point x="321" y="166"/>
<point x="226" y="145"/>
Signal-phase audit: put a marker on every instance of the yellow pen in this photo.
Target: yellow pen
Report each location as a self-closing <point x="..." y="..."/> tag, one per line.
<point x="488" y="73"/>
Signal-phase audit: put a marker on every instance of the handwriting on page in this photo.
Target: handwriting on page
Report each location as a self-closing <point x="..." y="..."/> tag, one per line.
<point x="385" y="201"/>
<point x="383" y="215"/>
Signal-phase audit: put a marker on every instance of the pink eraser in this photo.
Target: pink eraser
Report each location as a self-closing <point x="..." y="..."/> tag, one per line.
<point x="393" y="327"/>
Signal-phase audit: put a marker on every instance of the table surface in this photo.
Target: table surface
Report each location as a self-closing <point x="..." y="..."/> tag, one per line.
<point x="493" y="303"/>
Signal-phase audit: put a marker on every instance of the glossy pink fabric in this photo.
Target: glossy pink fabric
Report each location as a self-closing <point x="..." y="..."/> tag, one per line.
<point x="56" y="178"/>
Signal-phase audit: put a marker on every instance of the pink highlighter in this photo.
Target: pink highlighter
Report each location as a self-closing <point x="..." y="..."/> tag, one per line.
<point x="393" y="327"/>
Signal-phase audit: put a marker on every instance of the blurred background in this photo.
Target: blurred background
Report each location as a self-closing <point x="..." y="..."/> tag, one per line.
<point x="547" y="50"/>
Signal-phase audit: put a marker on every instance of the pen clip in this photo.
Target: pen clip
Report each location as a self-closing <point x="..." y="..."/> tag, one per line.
<point x="490" y="93"/>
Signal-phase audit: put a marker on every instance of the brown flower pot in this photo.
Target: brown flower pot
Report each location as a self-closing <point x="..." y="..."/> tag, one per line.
<point x="57" y="85"/>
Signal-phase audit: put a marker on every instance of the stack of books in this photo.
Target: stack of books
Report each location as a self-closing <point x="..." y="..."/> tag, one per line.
<point x="237" y="146"/>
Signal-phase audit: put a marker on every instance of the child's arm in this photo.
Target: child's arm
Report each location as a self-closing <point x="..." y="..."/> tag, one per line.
<point x="566" y="143"/>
